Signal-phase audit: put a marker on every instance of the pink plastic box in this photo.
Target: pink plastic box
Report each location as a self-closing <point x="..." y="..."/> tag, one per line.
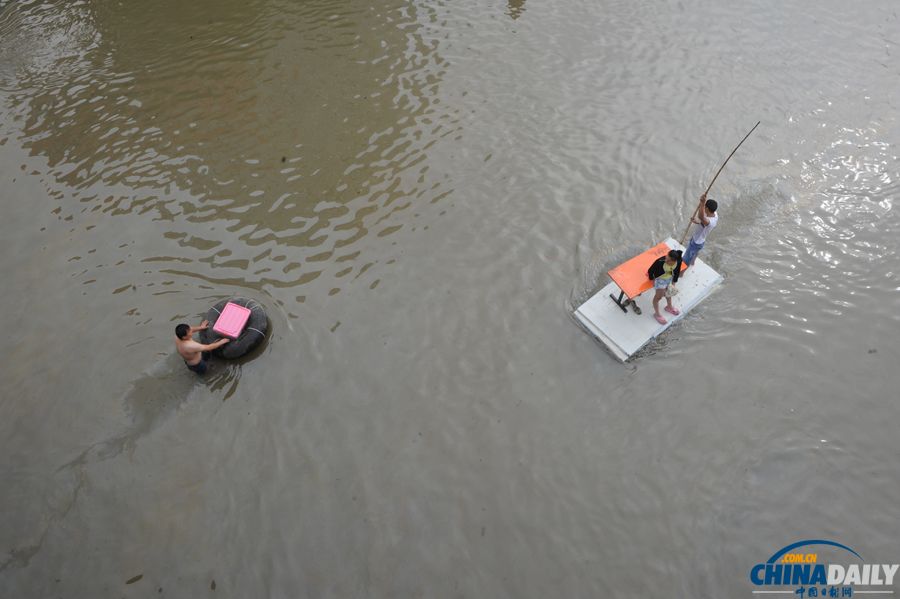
<point x="232" y="320"/>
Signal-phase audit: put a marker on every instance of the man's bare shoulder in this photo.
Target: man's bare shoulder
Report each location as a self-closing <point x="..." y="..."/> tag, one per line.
<point x="187" y="346"/>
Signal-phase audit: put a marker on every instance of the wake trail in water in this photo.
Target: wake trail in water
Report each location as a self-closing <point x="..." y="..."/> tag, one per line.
<point x="152" y="399"/>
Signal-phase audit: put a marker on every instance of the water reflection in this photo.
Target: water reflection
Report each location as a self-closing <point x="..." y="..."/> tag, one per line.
<point x="515" y="8"/>
<point x="267" y="139"/>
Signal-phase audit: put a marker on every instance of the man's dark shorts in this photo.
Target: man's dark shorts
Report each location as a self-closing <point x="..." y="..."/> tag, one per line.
<point x="202" y="366"/>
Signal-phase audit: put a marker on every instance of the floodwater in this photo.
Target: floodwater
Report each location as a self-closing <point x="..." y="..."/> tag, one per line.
<point x="420" y="193"/>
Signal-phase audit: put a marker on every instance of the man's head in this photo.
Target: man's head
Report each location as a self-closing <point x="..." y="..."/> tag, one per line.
<point x="711" y="206"/>
<point x="183" y="331"/>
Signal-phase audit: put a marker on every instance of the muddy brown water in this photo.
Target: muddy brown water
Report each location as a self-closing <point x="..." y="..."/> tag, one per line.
<point x="420" y="193"/>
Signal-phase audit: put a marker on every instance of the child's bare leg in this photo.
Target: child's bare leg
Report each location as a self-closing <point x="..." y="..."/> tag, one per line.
<point x="656" y="297"/>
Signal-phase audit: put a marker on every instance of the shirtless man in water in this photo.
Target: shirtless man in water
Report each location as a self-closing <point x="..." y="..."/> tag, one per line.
<point x="195" y="354"/>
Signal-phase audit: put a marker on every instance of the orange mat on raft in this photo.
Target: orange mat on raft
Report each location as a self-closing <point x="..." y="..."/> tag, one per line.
<point x="631" y="276"/>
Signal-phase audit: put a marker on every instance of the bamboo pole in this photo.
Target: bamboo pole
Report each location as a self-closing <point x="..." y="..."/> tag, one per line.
<point x="697" y="209"/>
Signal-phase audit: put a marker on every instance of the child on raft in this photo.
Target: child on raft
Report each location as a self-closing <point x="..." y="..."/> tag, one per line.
<point x="664" y="272"/>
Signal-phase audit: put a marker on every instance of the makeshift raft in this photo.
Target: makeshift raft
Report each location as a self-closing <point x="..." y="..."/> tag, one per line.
<point x="611" y="317"/>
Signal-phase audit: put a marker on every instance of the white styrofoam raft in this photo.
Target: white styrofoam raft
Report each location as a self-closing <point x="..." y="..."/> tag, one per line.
<point x="624" y="333"/>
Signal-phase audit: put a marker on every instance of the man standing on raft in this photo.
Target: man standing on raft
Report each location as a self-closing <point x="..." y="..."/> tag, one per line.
<point x="706" y="221"/>
<point x="195" y="354"/>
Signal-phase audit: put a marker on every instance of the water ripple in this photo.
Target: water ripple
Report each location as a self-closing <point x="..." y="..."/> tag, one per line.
<point x="169" y="126"/>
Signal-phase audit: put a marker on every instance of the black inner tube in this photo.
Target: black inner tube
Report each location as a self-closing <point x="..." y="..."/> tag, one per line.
<point x="252" y="335"/>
